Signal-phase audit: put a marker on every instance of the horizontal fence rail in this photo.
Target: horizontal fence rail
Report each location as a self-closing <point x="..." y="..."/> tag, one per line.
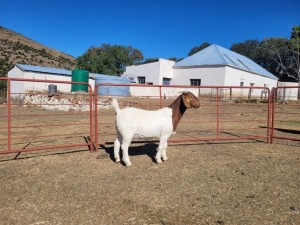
<point x="42" y="120"/>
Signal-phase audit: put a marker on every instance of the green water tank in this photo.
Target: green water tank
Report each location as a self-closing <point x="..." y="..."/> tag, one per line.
<point x="80" y="76"/>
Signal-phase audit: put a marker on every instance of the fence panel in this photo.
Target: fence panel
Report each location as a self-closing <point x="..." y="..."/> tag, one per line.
<point x="286" y="113"/>
<point x="220" y="116"/>
<point x="40" y="120"/>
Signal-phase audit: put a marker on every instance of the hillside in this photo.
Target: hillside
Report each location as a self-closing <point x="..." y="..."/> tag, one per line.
<point x="16" y="48"/>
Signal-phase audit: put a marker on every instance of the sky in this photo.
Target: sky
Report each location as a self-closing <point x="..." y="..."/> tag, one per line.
<point x="158" y="28"/>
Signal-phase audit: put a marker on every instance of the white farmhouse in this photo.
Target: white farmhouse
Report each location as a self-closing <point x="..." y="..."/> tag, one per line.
<point x="54" y="76"/>
<point x="213" y="66"/>
<point x="40" y="73"/>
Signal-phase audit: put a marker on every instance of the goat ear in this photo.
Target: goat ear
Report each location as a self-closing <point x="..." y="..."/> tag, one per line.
<point x="186" y="100"/>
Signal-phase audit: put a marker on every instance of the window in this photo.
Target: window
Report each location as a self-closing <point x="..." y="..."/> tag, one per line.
<point x="195" y="82"/>
<point x="141" y="80"/>
<point x="265" y="88"/>
<point x="251" y="84"/>
<point x="166" y="81"/>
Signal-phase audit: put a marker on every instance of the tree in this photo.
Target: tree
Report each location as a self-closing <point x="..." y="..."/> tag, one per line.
<point x="280" y="56"/>
<point x="285" y="54"/>
<point x="249" y="48"/>
<point x="294" y="48"/>
<point x="107" y="59"/>
<point x="275" y="57"/>
<point x="198" y="48"/>
<point x="150" y="60"/>
<point x="173" y="59"/>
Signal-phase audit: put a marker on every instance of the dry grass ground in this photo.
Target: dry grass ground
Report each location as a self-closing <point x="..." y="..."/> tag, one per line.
<point x="246" y="182"/>
<point x="203" y="183"/>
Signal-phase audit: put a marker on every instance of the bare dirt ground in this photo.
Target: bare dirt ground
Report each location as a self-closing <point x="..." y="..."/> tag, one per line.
<point x="234" y="182"/>
<point x="203" y="183"/>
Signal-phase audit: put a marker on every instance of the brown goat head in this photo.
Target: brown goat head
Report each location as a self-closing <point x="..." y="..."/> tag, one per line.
<point x="190" y="100"/>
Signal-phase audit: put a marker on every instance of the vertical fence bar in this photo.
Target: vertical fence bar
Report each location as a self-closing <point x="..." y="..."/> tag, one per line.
<point x="218" y="111"/>
<point x="160" y="98"/>
<point x="96" y="115"/>
<point x="92" y="137"/>
<point x="273" y="96"/>
<point x="8" y="115"/>
<point x="269" y="113"/>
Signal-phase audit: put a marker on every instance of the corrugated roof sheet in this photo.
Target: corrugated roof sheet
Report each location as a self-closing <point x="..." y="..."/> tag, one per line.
<point x="51" y="70"/>
<point x="42" y="69"/>
<point x="217" y="55"/>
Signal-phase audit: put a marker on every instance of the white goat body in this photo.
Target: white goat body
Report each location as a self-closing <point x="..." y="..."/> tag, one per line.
<point x="133" y="122"/>
<point x="145" y="123"/>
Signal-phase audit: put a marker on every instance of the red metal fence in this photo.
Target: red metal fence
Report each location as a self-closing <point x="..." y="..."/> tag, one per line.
<point x="223" y="115"/>
<point x="31" y="120"/>
<point x="286" y="113"/>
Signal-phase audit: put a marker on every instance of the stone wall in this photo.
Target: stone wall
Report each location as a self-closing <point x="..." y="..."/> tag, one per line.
<point x="62" y="103"/>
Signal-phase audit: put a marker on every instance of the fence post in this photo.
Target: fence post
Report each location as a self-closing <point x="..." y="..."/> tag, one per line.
<point x="160" y="98"/>
<point x="218" y="104"/>
<point x="273" y="96"/>
<point x="249" y="94"/>
<point x="269" y="114"/>
<point x="96" y="114"/>
<point x="8" y="115"/>
<point x="93" y="147"/>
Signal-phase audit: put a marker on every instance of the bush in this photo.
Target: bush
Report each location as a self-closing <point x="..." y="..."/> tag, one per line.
<point x="246" y="100"/>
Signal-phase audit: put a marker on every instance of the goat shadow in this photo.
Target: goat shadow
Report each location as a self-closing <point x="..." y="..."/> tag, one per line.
<point x="284" y="130"/>
<point x="148" y="149"/>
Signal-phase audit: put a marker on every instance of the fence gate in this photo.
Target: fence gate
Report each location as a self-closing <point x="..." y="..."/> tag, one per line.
<point x="40" y="120"/>
<point x="226" y="113"/>
<point x="286" y="113"/>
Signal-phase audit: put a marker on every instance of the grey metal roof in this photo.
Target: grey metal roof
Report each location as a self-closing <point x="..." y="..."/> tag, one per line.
<point x="217" y="55"/>
<point x="42" y="69"/>
<point x="56" y="71"/>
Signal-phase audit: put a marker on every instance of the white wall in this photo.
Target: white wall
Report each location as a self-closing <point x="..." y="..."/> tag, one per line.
<point x="210" y="76"/>
<point x="234" y="77"/>
<point x="153" y="72"/>
<point x="166" y="69"/>
<point x="36" y="86"/>
<point x="16" y="87"/>
<point x="149" y="70"/>
<point x="286" y="94"/>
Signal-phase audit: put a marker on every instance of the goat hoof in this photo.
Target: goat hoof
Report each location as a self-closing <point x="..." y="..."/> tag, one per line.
<point x="117" y="160"/>
<point x="128" y="164"/>
<point x="165" y="159"/>
<point x="158" y="161"/>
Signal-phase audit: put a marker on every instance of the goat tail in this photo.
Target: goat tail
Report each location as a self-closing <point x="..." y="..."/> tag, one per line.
<point x="115" y="104"/>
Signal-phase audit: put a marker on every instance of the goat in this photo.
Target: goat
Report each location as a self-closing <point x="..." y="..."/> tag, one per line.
<point x="132" y="122"/>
